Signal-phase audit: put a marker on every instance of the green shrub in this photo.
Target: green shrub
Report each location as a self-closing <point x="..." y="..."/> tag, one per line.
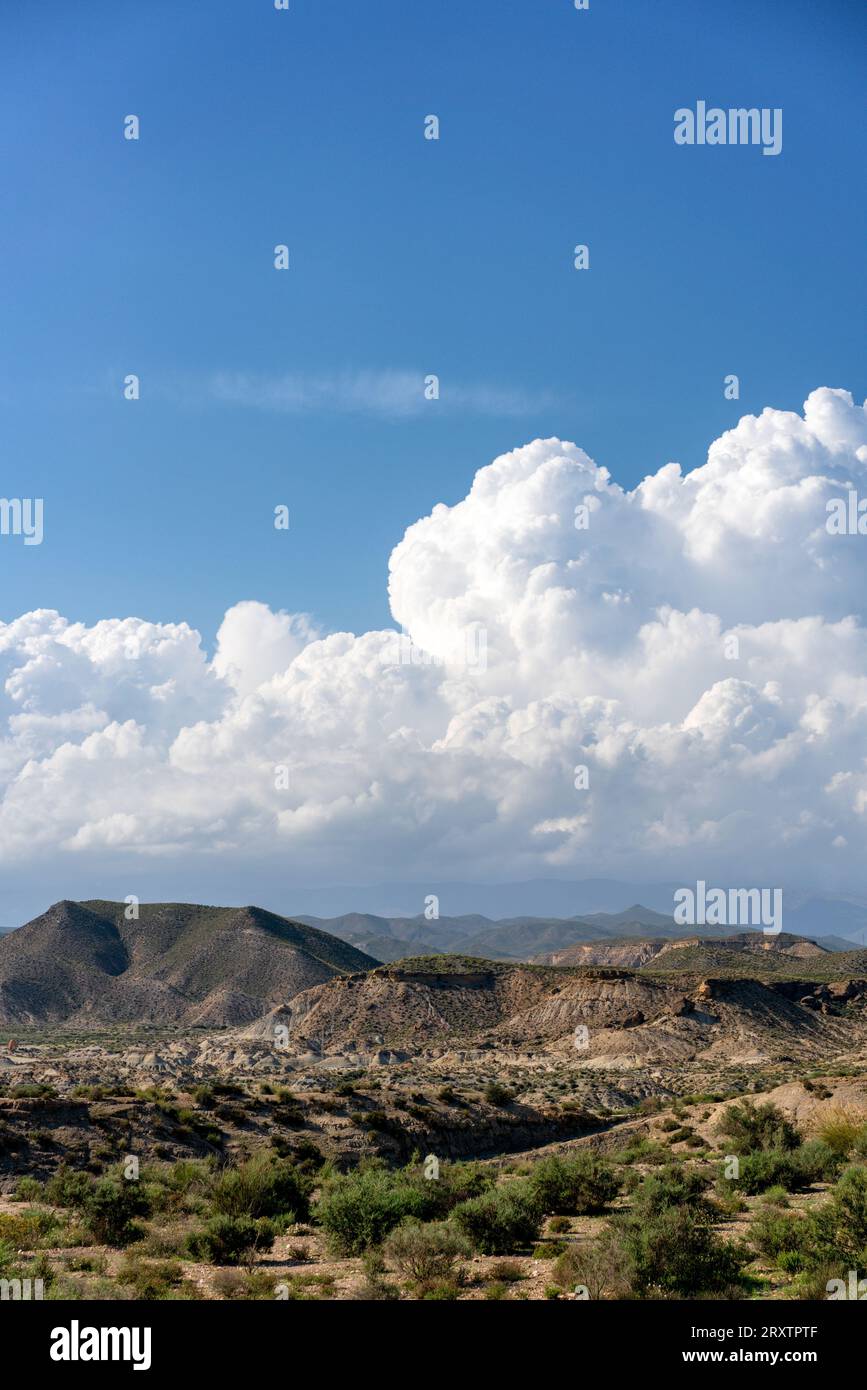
<point x="775" y="1197"/>
<point x="496" y="1291"/>
<point x="813" y="1283"/>
<point x="151" y="1280"/>
<point x="641" y="1150"/>
<point x="775" y="1232"/>
<point x="443" y="1291"/>
<point x="840" y="1225"/>
<point x="425" y="1254"/>
<point x="28" y="1189"/>
<point x="181" y="1186"/>
<point x="68" y="1188"/>
<point x="673" y="1186"/>
<point x="358" y="1209"/>
<point x="501" y="1221"/>
<point x="506" y="1271"/>
<point x="549" y="1249"/>
<point x="749" y="1128"/>
<point x="817" y="1161"/>
<point x="229" y="1240"/>
<point x="110" y="1209"/>
<point x="574" y="1186"/>
<point x="457" y="1182"/>
<point x="603" y="1267"/>
<point x="262" y="1186"/>
<point x="25" y="1229"/>
<point x="678" y="1252"/>
<point x="495" y="1094"/>
<point x="792" y="1169"/>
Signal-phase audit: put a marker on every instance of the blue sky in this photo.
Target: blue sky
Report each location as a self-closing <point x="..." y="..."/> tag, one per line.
<point x="131" y="762"/>
<point x="408" y="257"/>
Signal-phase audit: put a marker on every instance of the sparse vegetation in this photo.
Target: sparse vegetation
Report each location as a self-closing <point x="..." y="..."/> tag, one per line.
<point x="297" y="1177"/>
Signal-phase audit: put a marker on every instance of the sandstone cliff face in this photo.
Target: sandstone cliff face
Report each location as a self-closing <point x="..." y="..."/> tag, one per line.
<point x="598" y="1018"/>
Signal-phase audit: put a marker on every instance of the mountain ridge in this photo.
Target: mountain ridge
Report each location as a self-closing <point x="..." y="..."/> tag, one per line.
<point x="170" y="963"/>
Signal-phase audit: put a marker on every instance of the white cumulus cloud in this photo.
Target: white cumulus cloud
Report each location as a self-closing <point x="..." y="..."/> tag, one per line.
<point x="699" y="647"/>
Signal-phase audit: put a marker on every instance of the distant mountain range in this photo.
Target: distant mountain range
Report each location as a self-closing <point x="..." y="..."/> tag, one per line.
<point x="513" y="938"/>
<point x="84" y="964"/>
<point x="804" y="913"/>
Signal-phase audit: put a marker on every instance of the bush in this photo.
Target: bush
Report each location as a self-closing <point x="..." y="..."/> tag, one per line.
<point x="28" y="1189"/>
<point x="775" y="1197"/>
<point x="181" y="1186"/>
<point x="813" y="1284"/>
<point x="501" y="1221"/>
<point x="495" y="1094"/>
<point x="817" y="1161"/>
<point x="358" y="1209"/>
<point x="506" y="1272"/>
<point x="792" y="1169"/>
<point x="25" y="1229"/>
<point x="231" y="1284"/>
<point x="229" y="1240"/>
<point x="425" y="1254"/>
<point x="678" y="1252"/>
<point x="840" y="1226"/>
<point x="152" y="1281"/>
<point x="749" y="1128"/>
<point x="549" y="1249"/>
<point x="262" y="1186"/>
<point x="68" y="1188"/>
<point x="672" y="1187"/>
<point x="603" y="1267"/>
<point x="443" y="1291"/>
<point x="109" y="1210"/>
<point x="778" y="1233"/>
<point x="457" y="1182"/>
<point x="841" y="1131"/>
<point x="576" y="1186"/>
<point x="768" y="1168"/>
<point x="832" y="1237"/>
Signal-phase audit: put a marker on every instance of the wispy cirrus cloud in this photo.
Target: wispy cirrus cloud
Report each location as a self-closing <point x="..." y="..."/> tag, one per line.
<point x="381" y="392"/>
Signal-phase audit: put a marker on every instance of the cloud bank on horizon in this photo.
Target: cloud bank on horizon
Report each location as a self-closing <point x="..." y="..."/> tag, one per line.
<point x="699" y="646"/>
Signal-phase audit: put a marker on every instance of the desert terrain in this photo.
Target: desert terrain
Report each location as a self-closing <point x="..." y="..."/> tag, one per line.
<point x="225" y="1104"/>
